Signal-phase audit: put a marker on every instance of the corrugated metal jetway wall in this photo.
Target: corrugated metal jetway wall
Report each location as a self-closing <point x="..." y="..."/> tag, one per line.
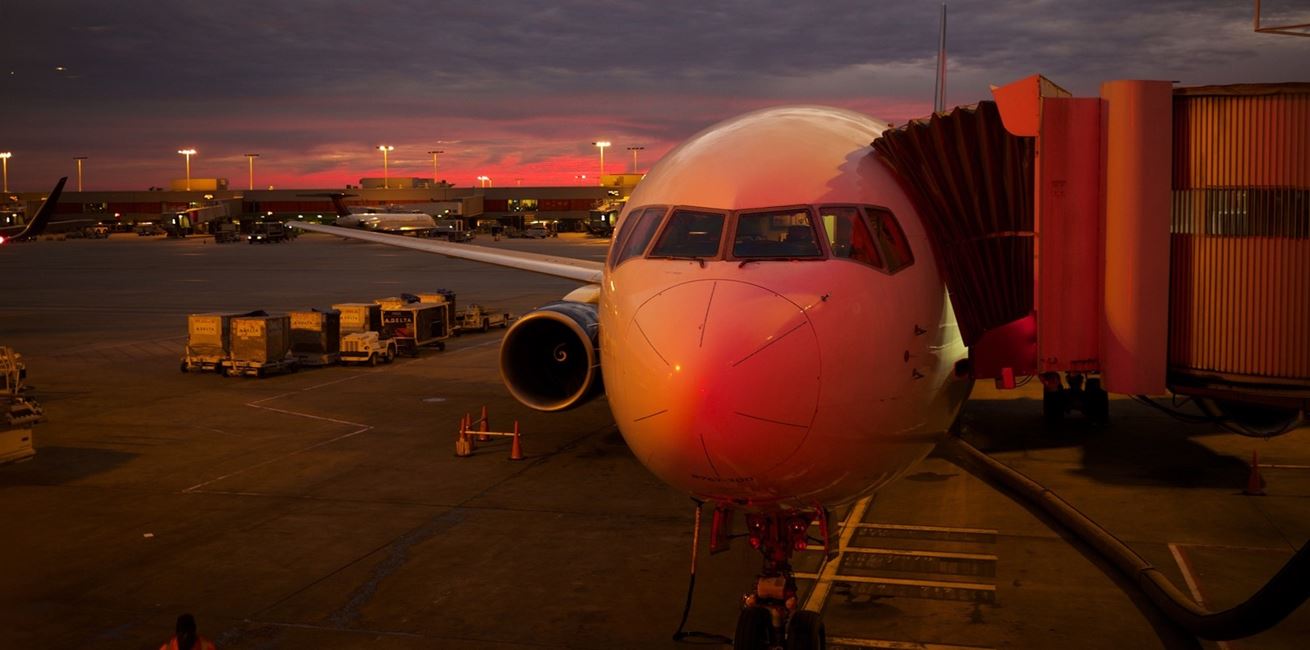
<point x="1240" y="240"/>
<point x="972" y="182"/>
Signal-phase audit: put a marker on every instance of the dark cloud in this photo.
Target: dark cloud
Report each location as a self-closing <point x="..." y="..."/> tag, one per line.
<point x="531" y="81"/>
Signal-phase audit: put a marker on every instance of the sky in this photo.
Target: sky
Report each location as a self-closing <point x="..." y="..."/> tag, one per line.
<point x="518" y="90"/>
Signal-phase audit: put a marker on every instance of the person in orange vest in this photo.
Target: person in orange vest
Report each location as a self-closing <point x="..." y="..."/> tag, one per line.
<point x="186" y="637"/>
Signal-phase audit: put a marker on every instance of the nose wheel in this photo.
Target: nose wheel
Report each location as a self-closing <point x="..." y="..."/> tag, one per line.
<point x="771" y="616"/>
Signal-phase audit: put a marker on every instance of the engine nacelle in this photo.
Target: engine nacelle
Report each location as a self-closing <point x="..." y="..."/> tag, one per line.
<point x="550" y="357"/>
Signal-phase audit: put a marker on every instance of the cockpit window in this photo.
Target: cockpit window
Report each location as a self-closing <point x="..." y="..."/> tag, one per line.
<point x="783" y="233"/>
<point x="690" y="233"/>
<point x="636" y="233"/>
<point x="891" y="239"/>
<point x="848" y="236"/>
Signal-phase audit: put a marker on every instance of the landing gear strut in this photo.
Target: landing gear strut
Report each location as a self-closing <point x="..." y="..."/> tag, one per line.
<point x="1083" y="394"/>
<point x="771" y="616"/>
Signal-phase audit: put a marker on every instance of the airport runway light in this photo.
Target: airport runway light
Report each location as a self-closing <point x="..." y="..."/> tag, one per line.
<point x="4" y="158"/>
<point x="188" y="153"/>
<point x="601" y="145"/>
<point x="434" y="153"/>
<point x="634" y="151"/>
<point x="79" y="160"/>
<point x="385" y="149"/>
<point x="251" y="157"/>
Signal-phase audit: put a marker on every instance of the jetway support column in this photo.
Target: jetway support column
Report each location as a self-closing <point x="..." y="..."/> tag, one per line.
<point x="1138" y="172"/>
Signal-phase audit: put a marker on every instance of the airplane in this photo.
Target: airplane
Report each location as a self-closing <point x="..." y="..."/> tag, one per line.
<point x="385" y="221"/>
<point x="775" y="335"/>
<point x="39" y="221"/>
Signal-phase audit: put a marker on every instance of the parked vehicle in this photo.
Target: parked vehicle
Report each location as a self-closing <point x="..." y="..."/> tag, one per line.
<point x="267" y="232"/>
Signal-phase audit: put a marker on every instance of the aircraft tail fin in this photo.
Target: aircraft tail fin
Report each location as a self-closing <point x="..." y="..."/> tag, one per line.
<point x="42" y="217"/>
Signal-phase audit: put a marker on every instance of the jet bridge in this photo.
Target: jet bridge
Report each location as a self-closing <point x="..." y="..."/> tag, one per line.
<point x="1158" y="238"/>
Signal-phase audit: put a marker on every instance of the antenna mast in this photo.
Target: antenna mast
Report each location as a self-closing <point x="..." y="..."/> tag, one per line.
<point x="939" y="90"/>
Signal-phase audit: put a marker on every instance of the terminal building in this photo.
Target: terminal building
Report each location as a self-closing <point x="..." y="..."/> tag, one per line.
<point x="562" y="208"/>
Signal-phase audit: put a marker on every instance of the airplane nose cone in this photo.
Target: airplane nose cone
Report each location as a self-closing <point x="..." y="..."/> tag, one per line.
<point x="731" y="370"/>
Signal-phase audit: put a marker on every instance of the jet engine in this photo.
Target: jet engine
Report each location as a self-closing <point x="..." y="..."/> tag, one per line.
<point x="550" y="358"/>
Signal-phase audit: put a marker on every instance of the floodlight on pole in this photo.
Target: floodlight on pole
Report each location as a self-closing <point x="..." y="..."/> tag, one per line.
<point x="601" y="145"/>
<point x="251" y="157"/>
<point x="634" y="151"/>
<point x="385" y="148"/>
<point x="188" y="153"/>
<point x="79" y="160"/>
<point x="435" y="153"/>
<point x="4" y="158"/>
<point x="485" y="181"/>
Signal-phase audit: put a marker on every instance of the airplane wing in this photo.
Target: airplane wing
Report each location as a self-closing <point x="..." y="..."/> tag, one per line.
<point x="42" y="216"/>
<point x="561" y="267"/>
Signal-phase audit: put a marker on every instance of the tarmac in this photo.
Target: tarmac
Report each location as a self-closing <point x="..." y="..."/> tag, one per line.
<point x="327" y="508"/>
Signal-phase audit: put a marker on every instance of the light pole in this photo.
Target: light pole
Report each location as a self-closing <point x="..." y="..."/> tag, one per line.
<point x="385" y="148"/>
<point x="634" y="151"/>
<point x="79" y="160"/>
<point x="435" y="153"/>
<point x="485" y="181"/>
<point x="601" y="145"/>
<point x="188" y="153"/>
<point x="4" y="158"/>
<point x="251" y="157"/>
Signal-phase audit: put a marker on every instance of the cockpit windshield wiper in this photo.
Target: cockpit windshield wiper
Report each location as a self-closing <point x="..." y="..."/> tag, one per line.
<point x="689" y="258"/>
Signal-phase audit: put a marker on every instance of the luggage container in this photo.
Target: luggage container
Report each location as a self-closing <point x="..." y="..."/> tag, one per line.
<point x="316" y="336"/>
<point x="261" y="345"/>
<point x="360" y="317"/>
<point x="417" y="325"/>
<point x="394" y="302"/>
<point x="209" y="341"/>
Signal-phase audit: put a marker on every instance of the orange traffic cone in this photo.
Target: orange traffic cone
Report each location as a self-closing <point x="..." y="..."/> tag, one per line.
<point x="463" y="446"/>
<point x="516" y="450"/>
<point x="486" y="426"/>
<point x="1255" y="484"/>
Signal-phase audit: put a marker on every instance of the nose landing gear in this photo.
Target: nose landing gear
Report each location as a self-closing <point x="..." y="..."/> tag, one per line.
<point x="770" y="616"/>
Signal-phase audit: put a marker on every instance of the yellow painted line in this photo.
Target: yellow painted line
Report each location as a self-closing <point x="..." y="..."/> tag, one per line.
<point x="819" y="594"/>
<point x="902" y="582"/>
<point x="899" y="645"/>
<point x="944" y="555"/>
<point x="931" y="529"/>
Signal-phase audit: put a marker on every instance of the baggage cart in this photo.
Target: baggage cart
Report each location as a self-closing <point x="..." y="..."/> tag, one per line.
<point x="261" y="345"/>
<point x="209" y="341"/>
<point x="316" y="336"/>
<point x="359" y="317"/>
<point x="417" y="325"/>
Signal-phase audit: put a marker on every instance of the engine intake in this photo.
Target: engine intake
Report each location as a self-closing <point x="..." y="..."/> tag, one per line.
<point x="550" y="359"/>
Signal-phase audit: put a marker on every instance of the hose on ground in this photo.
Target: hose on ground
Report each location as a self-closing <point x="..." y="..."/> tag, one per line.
<point x="1273" y="602"/>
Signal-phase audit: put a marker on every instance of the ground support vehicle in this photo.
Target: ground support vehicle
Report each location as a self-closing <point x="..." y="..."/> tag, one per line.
<point x="267" y="232"/>
<point x="476" y="318"/>
<point x="367" y="347"/>
<point x="417" y="325"/>
<point x="226" y="233"/>
<point x="261" y="345"/>
<point x="209" y="341"/>
<point x="17" y="413"/>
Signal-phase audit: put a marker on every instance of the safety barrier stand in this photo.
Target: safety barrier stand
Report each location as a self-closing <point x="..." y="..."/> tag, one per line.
<point x="464" y="442"/>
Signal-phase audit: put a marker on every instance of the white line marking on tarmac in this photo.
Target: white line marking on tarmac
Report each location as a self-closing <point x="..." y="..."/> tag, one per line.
<point x="899" y="645"/>
<point x="302" y="450"/>
<point x="818" y="595"/>
<point x="1192" y="586"/>
<point x="259" y="404"/>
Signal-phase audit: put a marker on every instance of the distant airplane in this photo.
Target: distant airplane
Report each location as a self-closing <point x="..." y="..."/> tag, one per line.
<point x="385" y="221"/>
<point x="39" y="221"/>
<point x="774" y="333"/>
